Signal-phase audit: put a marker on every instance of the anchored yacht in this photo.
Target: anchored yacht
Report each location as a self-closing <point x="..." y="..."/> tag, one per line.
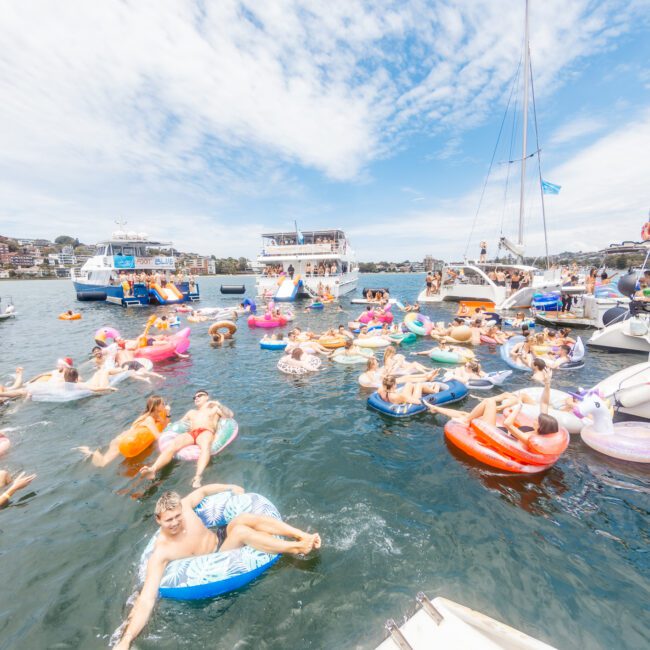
<point x="300" y="264"/>
<point x="125" y="272"/>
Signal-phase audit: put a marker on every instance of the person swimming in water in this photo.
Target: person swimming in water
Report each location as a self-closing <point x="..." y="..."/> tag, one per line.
<point x="184" y="535"/>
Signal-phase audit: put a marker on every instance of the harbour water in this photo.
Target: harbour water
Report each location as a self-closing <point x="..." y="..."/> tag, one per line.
<point x="562" y="556"/>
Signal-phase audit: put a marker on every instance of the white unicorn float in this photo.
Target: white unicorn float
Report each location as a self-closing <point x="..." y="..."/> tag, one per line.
<point x="625" y="440"/>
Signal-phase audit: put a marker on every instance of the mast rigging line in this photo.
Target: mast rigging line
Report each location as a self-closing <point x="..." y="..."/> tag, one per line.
<point x="539" y="163"/>
<point x="494" y="153"/>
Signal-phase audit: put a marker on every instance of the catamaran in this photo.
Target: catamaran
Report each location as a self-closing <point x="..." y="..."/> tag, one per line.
<point x="318" y="263"/>
<point x="124" y="272"/>
<point x="470" y="279"/>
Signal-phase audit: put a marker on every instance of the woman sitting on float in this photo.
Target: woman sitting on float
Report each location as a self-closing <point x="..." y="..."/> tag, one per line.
<point x="487" y="409"/>
<point x="141" y="434"/>
<point x="396" y="364"/>
<point x="409" y="393"/>
<point x="374" y="375"/>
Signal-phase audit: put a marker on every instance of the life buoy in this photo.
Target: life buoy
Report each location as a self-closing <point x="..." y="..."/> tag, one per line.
<point x="218" y="327"/>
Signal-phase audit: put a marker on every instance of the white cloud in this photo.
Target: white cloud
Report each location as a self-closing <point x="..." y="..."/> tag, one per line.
<point x="167" y="108"/>
<point x="577" y="128"/>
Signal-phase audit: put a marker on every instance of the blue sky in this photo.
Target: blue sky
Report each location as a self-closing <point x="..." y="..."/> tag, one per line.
<point x="210" y="122"/>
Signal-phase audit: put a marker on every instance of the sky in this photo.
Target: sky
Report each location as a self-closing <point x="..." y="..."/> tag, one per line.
<point x="210" y="122"/>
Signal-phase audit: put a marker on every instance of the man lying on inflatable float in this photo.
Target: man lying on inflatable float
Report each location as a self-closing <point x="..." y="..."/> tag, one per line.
<point x="184" y="537"/>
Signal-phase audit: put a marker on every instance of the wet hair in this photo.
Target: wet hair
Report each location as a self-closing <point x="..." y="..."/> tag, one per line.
<point x="201" y="392"/>
<point x="348" y="344"/>
<point x="71" y="375"/>
<point x="566" y="348"/>
<point x="539" y="364"/>
<point x="168" y="501"/>
<point x="551" y="333"/>
<point x="372" y="364"/>
<point x="547" y="424"/>
<point x="565" y="331"/>
<point x="389" y="382"/>
<point x="296" y="354"/>
<point x="95" y="349"/>
<point x="154" y="403"/>
<point x="388" y="353"/>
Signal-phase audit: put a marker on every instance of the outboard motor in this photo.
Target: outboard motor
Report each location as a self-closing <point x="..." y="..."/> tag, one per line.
<point x="615" y="315"/>
<point x="627" y="284"/>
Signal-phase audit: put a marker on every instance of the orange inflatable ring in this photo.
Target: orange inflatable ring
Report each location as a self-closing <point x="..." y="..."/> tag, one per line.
<point x="67" y="316"/>
<point x="332" y="342"/>
<point x="539" y="450"/>
<point x="493" y="446"/>
<point x="216" y="328"/>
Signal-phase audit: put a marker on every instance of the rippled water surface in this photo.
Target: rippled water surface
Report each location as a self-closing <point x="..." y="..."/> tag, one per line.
<point x="562" y="556"/>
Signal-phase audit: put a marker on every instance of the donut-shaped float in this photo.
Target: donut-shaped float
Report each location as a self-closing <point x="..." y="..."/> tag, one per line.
<point x="450" y="391"/>
<point x="360" y="356"/>
<point x="372" y="342"/>
<point x="418" y="323"/>
<point x="226" y="433"/>
<point x="309" y="364"/>
<point x="66" y="316"/>
<point x="332" y="342"/>
<point x="267" y="321"/>
<point x="207" y="576"/>
<point x="225" y="328"/>
<point x="104" y="334"/>
<point x="273" y="344"/>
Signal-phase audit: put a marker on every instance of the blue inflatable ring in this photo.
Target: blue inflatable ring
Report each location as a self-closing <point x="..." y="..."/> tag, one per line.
<point x="207" y="576"/>
<point x="273" y="345"/>
<point x="454" y="392"/>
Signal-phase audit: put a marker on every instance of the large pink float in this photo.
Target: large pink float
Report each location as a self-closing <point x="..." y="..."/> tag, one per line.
<point x="176" y="344"/>
<point x="266" y="321"/>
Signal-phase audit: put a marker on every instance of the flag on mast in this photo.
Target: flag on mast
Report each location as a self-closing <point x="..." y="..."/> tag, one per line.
<point x="299" y="236"/>
<point x="550" y="188"/>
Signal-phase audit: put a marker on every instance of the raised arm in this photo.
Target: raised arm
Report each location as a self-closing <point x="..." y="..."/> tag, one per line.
<point x="222" y="410"/>
<point x="144" y="604"/>
<point x="194" y="498"/>
<point x="545" y="400"/>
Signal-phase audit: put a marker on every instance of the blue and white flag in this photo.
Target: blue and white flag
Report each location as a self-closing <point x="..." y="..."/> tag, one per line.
<point x="299" y="236"/>
<point x="550" y="188"/>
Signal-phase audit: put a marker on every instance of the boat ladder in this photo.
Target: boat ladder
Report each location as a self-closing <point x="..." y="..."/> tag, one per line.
<point x="396" y="634"/>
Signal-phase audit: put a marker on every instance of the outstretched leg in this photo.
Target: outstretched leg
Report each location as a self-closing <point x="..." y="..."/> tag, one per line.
<point x="98" y="459"/>
<point x="260" y="535"/>
<point x="204" y="441"/>
<point x="184" y="440"/>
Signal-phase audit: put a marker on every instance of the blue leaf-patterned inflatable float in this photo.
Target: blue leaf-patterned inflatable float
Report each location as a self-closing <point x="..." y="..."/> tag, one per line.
<point x="207" y="576"/>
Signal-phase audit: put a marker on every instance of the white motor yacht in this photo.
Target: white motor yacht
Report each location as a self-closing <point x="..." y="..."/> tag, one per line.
<point x="303" y="264"/>
<point x="470" y="281"/>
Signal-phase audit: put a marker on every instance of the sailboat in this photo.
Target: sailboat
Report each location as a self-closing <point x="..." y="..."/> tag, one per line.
<point x="470" y="279"/>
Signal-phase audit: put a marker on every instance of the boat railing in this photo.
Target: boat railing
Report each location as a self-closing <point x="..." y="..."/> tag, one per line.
<point x="304" y="249"/>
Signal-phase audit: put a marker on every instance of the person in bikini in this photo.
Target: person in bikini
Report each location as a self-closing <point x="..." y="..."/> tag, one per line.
<point x="155" y="418"/>
<point x="203" y="422"/>
<point x="183" y="534"/>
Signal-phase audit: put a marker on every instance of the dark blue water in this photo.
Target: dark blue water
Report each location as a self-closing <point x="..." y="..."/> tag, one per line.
<point x="563" y="556"/>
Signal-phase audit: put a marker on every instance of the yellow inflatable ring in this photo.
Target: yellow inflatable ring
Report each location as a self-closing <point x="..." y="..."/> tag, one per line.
<point x="332" y="342"/>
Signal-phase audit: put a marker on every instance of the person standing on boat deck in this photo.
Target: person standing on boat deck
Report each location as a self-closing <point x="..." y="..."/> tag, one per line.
<point x="483" y="256"/>
<point x="515" y="280"/>
<point x="429" y="282"/>
<point x="291" y="271"/>
<point x="501" y="278"/>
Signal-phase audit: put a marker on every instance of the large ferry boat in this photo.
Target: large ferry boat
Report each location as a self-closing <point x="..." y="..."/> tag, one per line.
<point x="124" y="272"/>
<point x="300" y="264"/>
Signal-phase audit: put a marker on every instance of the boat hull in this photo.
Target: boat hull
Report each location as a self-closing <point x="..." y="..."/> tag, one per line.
<point x="617" y="337"/>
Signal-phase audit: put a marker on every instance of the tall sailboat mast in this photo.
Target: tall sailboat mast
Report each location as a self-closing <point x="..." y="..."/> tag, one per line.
<point x="522" y="189"/>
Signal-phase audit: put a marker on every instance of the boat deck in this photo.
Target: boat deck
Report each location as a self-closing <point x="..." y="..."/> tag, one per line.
<point x="564" y="319"/>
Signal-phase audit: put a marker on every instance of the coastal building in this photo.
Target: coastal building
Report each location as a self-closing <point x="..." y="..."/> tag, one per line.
<point x="22" y="260"/>
<point x="200" y="265"/>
